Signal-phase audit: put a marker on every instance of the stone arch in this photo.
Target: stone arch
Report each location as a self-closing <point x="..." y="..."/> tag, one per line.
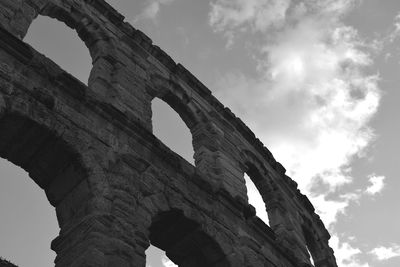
<point x="274" y="202"/>
<point x="258" y="174"/>
<point x="181" y="106"/>
<point x="177" y="98"/>
<point x="279" y="212"/>
<point x="101" y="45"/>
<point x="57" y="159"/>
<point x="188" y="237"/>
<point x="184" y="241"/>
<point x="171" y="129"/>
<point x="316" y="242"/>
<point x="49" y="160"/>
<point x="194" y="118"/>
<point x="72" y="13"/>
<point x="311" y="244"/>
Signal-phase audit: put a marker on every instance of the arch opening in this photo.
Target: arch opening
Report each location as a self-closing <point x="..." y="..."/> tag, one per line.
<point x="311" y="246"/>
<point x="50" y="162"/>
<point x="28" y="222"/>
<point x="156" y="257"/>
<point x="185" y="243"/>
<point x="47" y="160"/>
<point x="256" y="200"/>
<point x="253" y="181"/>
<point x="62" y="45"/>
<point x="172" y="129"/>
<point x="310" y="256"/>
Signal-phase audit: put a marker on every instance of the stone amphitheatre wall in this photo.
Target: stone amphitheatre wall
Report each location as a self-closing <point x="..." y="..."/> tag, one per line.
<point x="114" y="185"/>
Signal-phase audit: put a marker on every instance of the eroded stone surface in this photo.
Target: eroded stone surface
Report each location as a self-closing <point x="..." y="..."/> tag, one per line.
<point x="114" y="185"/>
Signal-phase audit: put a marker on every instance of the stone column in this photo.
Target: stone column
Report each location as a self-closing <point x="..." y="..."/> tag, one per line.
<point x="88" y="235"/>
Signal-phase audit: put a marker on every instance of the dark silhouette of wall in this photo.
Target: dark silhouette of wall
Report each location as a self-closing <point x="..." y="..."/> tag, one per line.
<point x="114" y="185"/>
<point x="5" y="263"/>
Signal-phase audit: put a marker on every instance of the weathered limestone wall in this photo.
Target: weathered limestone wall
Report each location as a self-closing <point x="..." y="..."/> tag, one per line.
<point x="114" y="185"/>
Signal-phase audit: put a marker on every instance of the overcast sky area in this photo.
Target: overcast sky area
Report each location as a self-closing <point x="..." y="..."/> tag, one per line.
<point x="316" y="81"/>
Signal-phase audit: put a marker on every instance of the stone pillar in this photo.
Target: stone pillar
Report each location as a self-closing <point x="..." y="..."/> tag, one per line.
<point x="88" y="235"/>
<point x="213" y="157"/>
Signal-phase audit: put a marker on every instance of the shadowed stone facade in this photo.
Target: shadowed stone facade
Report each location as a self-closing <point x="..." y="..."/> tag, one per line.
<point x="114" y="185"/>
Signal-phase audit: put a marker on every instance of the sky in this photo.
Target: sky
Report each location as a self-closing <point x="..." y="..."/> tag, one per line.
<point x="316" y="81"/>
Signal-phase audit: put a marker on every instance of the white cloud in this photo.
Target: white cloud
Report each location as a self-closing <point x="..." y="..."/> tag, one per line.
<point x="167" y="262"/>
<point x="260" y="14"/>
<point x="385" y="253"/>
<point x="313" y="98"/>
<point x="152" y="9"/>
<point x="396" y="31"/>
<point x="377" y="184"/>
<point x="321" y="80"/>
<point x="346" y="255"/>
<point x="311" y="104"/>
<point x="329" y="209"/>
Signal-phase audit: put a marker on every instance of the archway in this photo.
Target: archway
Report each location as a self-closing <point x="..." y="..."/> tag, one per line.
<point x="74" y="30"/>
<point x="39" y="151"/>
<point x="258" y="191"/>
<point x="255" y="199"/>
<point x="28" y="221"/>
<point x="62" y="45"/>
<point x="50" y="162"/>
<point x="311" y="246"/>
<point x="172" y="130"/>
<point x="202" y="130"/>
<point x="184" y="241"/>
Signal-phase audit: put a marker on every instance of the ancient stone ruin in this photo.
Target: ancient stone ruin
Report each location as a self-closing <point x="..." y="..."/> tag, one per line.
<point x="116" y="188"/>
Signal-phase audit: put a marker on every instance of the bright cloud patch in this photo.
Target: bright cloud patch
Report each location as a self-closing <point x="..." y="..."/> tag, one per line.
<point x="330" y="209"/>
<point x="167" y="263"/>
<point x="396" y="31"/>
<point x="314" y="96"/>
<point x="259" y="14"/>
<point x="377" y="184"/>
<point x="152" y="9"/>
<point x="321" y="83"/>
<point x="346" y="255"/>
<point x="385" y="253"/>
